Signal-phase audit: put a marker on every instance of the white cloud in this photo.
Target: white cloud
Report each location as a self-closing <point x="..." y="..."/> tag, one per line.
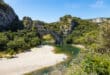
<point x="98" y="4"/>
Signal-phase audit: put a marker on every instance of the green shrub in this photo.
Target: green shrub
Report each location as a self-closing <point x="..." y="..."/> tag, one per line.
<point x="97" y="63"/>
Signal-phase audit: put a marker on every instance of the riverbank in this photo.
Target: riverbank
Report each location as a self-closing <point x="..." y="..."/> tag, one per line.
<point x="26" y="62"/>
<point x="59" y="69"/>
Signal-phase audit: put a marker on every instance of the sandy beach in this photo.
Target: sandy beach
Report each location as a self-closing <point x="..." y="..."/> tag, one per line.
<point x="27" y="62"/>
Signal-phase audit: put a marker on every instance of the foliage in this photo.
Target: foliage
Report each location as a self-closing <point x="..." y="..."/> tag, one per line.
<point x="104" y="38"/>
<point x="23" y="35"/>
<point x="35" y="41"/>
<point x="87" y="63"/>
<point x="85" y="31"/>
<point x="95" y="38"/>
<point x="99" y="64"/>
<point x="48" y="38"/>
<point x="3" y="41"/>
<point x="14" y="42"/>
<point x="90" y="62"/>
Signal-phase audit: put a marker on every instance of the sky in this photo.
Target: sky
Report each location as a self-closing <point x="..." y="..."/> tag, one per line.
<point x="51" y="10"/>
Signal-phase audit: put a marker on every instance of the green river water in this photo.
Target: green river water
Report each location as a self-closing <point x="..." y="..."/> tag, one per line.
<point x="59" y="69"/>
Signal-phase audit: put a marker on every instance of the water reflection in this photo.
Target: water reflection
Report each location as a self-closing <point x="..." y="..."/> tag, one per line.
<point x="58" y="69"/>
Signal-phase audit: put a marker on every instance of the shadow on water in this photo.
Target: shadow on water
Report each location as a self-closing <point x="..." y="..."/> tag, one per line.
<point x="59" y="69"/>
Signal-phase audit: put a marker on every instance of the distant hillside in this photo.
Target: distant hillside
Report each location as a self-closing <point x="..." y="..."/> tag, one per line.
<point x="100" y="20"/>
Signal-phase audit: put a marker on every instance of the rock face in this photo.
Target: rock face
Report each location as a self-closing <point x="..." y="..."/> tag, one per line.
<point x="27" y="22"/>
<point x="100" y="20"/>
<point x="67" y="24"/>
<point x="7" y="14"/>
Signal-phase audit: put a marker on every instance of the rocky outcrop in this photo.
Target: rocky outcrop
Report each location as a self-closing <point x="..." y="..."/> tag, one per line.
<point x="7" y="15"/>
<point x="27" y="22"/>
<point x="67" y="24"/>
<point x="100" y="20"/>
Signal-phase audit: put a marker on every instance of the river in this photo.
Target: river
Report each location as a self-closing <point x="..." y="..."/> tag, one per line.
<point x="59" y="69"/>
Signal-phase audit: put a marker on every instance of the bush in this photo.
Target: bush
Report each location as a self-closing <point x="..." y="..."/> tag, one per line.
<point x="99" y="64"/>
<point x="3" y="41"/>
<point x="35" y="41"/>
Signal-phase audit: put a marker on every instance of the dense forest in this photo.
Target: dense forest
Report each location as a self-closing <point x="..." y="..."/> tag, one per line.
<point x="21" y="35"/>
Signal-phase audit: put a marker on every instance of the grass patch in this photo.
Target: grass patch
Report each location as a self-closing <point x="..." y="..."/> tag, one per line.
<point x="5" y="55"/>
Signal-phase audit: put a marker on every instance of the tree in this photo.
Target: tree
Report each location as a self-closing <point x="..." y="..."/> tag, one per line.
<point x="17" y="44"/>
<point x="12" y="45"/>
<point x="35" y="41"/>
<point x="104" y="38"/>
<point x="3" y="41"/>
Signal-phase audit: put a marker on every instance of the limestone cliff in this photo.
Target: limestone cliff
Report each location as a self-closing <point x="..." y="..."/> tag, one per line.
<point x="7" y="14"/>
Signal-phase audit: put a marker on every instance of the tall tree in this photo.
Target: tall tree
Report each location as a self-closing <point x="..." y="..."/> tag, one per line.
<point x="105" y="38"/>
